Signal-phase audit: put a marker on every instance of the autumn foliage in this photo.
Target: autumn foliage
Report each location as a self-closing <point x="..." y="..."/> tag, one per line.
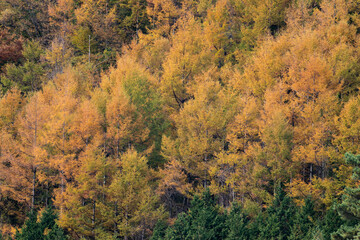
<point x="118" y="112"/>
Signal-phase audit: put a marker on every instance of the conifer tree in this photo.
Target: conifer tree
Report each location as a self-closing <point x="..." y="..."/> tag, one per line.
<point x="45" y="229"/>
<point x="304" y="221"/>
<point x="85" y="207"/>
<point x="238" y="224"/>
<point x="331" y="222"/>
<point x="349" y="207"/>
<point x="136" y="208"/>
<point x="30" y="230"/>
<point x="280" y="217"/>
<point x="159" y="230"/>
<point x="203" y="221"/>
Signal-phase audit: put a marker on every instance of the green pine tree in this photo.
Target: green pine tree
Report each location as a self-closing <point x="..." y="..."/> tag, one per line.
<point x="159" y="230"/>
<point x="280" y="217"/>
<point x="331" y="222"/>
<point x="45" y="229"/>
<point x="180" y="230"/>
<point x="203" y="221"/>
<point x="56" y="233"/>
<point x="303" y="222"/>
<point x="238" y="224"/>
<point x="31" y="229"/>
<point x="48" y="223"/>
<point x="257" y="225"/>
<point x="349" y="209"/>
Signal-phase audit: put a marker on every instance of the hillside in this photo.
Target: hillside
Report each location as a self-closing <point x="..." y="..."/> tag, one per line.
<point x="179" y="119"/>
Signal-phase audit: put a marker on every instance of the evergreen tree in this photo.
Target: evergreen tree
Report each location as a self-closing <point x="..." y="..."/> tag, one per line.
<point x="349" y="209"/>
<point x="203" y="221"/>
<point x="180" y="230"/>
<point x="280" y="217"/>
<point x="159" y="230"/>
<point x="56" y="233"/>
<point x="304" y="221"/>
<point x="331" y="222"/>
<point x="45" y="229"/>
<point x="238" y="224"/>
<point x="31" y="229"/>
<point x="257" y="225"/>
<point x="49" y="227"/>
<point x="207" y="223"/>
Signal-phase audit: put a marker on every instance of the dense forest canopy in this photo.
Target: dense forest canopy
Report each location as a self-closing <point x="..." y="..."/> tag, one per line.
<point x="179" y="119"/>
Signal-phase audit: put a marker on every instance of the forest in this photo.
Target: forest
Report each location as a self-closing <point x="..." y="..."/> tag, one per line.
<point x="179" y="119"/>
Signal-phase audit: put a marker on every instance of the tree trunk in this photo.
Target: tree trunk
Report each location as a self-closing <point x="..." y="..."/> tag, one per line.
<point x="89" y="48"/>
<point x="93" y="219"/>
<point x="115" y="222"/>
<point x="33" y="190"/>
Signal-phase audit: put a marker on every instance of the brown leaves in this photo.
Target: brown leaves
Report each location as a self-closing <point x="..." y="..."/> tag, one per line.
<point x="10" y="47"/>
